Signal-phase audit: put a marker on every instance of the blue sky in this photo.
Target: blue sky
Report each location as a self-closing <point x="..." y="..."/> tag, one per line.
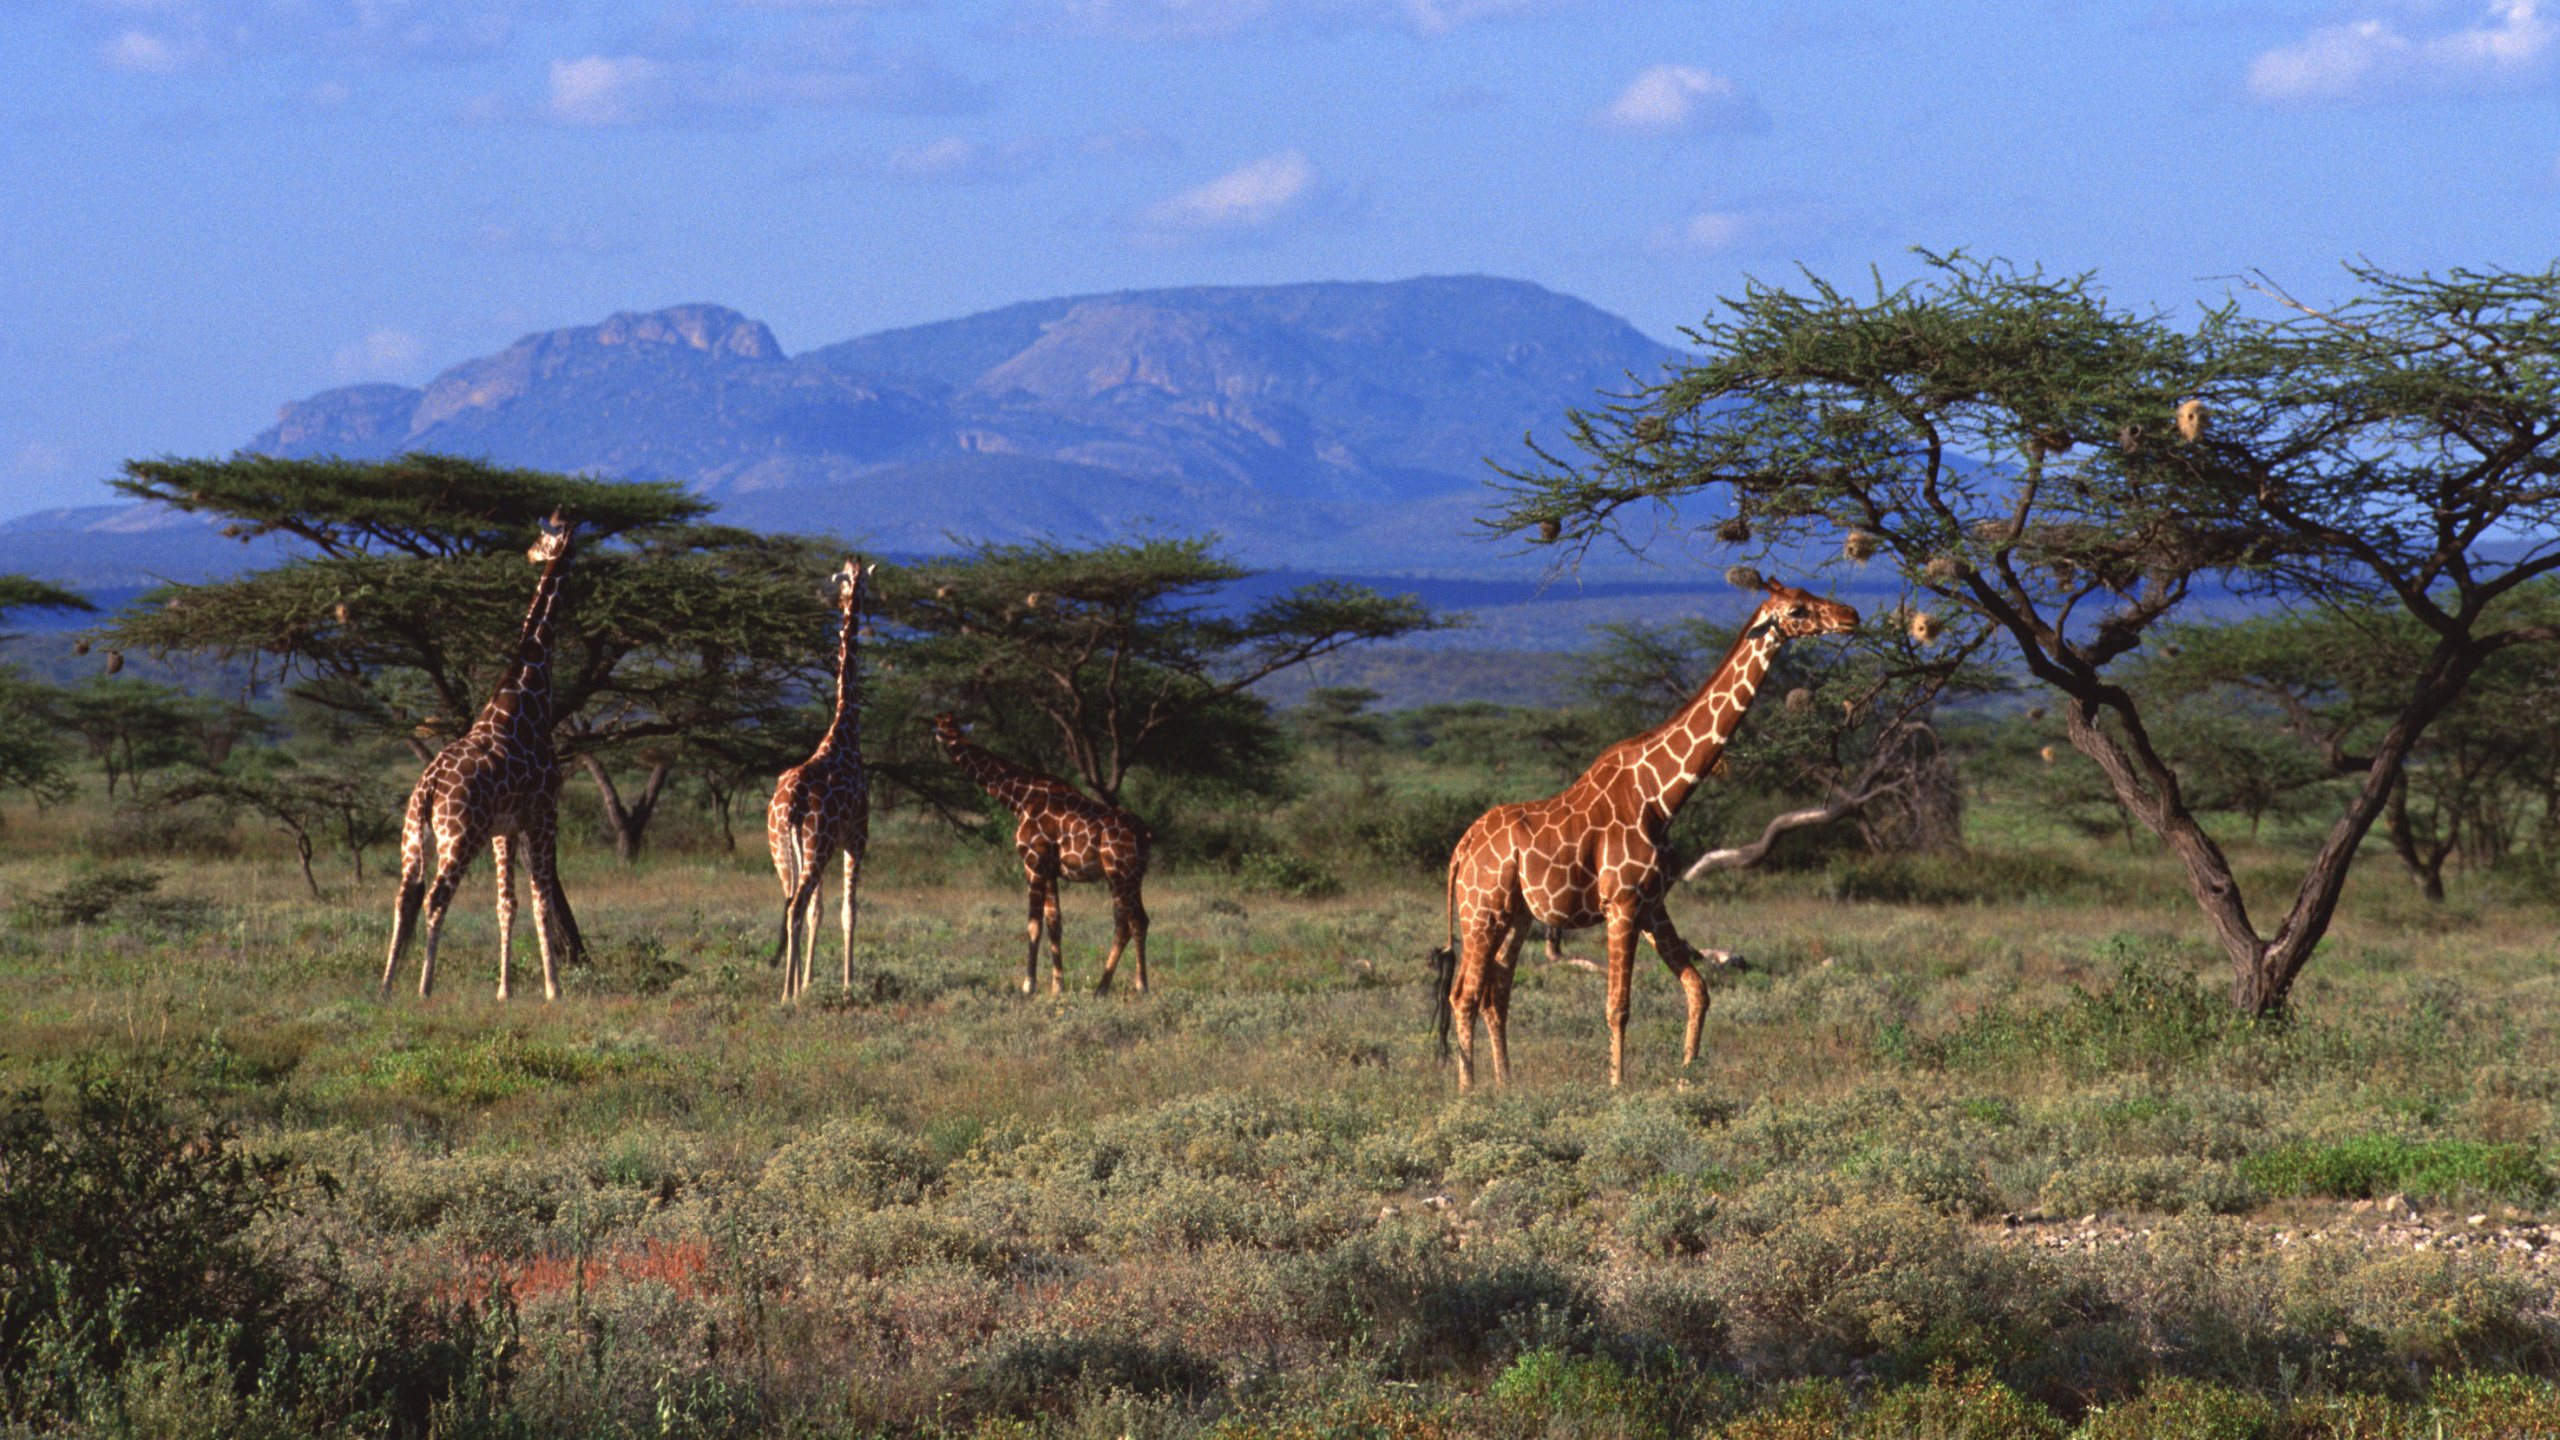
<point x="217" y="206"/>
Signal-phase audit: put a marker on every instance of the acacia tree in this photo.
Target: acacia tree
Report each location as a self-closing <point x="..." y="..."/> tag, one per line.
<point x="2326" y="684"/>
<point x="2064" y="473"/>
<point x="406" y="611"/>
<point x="29" y="758"/>
<point x="1109" y="658"/>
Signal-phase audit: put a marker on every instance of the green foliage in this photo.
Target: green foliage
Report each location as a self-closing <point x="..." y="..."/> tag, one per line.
<point x="674" y="639"/>
<point x="87" y="898"/>
<point x="2046" y="470"/>
<point x="1100" y="661"/>
<point x="2186" y="1409"/>
<point x="122" y="1229"/>
<point x="2148" y="1018"/>
<point x="2369" y="1166"/>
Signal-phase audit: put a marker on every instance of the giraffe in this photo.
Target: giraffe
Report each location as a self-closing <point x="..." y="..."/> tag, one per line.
<point x="823" y="805"/>
<point x="498" y="784"/>
<point x="1595" y="853"/>
<point x="1062" y="835"/>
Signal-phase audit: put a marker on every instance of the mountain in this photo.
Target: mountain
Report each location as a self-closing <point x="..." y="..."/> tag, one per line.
<point x="1331" y="424"/>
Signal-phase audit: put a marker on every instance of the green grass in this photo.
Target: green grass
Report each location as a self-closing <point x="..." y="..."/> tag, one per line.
<point x="1249" y="1203"/>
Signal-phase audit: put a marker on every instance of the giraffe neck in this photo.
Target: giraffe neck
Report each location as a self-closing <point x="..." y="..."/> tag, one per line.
<point x="1683" y="748"/>
<point x="522" y="708"/>
<point x="843" y="739"/>
<point x="1010" y="784"/>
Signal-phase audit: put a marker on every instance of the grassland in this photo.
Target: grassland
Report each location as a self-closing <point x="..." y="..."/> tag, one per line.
<point x="1975" y="1149"/>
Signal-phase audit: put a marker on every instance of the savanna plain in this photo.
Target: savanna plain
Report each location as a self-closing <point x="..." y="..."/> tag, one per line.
<point x="1977" y="1147"/>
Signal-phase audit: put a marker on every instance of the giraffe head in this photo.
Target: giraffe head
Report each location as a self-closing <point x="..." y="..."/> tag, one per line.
<point x="853" y="584"/>
<point x="947" y="730"/>
<point x="555" y="539"/>
<point x="1797" y="614"/>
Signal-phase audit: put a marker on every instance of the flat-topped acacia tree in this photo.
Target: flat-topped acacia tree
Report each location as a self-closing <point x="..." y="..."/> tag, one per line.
<point x="677" y="636"/>
<point x="1101" y="660"/>
<point x="2048" y="467"/>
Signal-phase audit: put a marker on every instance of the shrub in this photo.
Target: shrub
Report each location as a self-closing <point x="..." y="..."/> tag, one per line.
<point x="2186" y="1409"/>
<point x="855" y="1162"/>
<point x="121" y="1230"/>
<point x="86" y="899"/>
<point x="1976" y="1407"/>
<point x="1887" y="1281"/>
<point x="2371" y="1165"/>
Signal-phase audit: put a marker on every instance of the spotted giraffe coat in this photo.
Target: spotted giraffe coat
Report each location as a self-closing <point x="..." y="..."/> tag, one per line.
<point x="1062" y="834"/>
<point x="496" y="786"/>
<point x="1596" y="854"/>
<point x="823" y="805"/>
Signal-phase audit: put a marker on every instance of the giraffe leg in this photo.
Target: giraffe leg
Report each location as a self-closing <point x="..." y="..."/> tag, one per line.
<point x="1138" y="930"/>
<point x="414" y="836"/>
<point x="1682" y="958"/>
<point x="800" y="948"/>
<point x="1622" y="965"/>
<point x="1481" y="939"/>
<point x="1050" y="916"/>
<point x="1497" y="996"/>
<point x="454" y="855"/>
<point x="852" y="878"/>
<point x="552" y="924"/>
<point x="502" y="855"/>
<point x="1123" y="900"/>
<point x="1041" y="904"/>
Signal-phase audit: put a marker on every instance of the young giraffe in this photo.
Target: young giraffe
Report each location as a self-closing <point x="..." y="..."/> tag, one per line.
<point x="823" y="805"/>
<point x="1594" y="853"/>
<point x="498" y="784"/>
<point x="1062" y="835"/>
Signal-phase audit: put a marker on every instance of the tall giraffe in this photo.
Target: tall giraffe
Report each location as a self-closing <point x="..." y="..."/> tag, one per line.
<point x="1062" y="835"/>
<point x="1595" y="853"/>
<point x="498" y="784"/>
<point x="823" y="805"/>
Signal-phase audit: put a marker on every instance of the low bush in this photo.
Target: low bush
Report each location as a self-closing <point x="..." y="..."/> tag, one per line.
<point x="2368" y="1166"/>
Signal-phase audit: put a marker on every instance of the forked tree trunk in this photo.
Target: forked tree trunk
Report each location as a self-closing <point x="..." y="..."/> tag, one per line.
<point x="2263" y="967"/>
<point x="629" y="823"/>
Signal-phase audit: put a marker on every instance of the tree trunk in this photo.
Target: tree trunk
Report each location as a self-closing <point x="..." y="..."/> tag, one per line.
<point x="2425" y="863"/>
<point x="629" y="823"/>
<point x="2263" y="968"/>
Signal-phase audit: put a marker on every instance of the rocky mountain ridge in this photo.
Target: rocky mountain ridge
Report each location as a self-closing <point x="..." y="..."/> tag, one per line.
<point x="1325" y="424"/>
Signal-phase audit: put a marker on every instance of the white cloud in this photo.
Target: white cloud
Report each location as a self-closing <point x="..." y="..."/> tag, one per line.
<point x="955" y="161"/>
<point x="2373" y="58"/>
<point x="383" y="354"/>
<point x="40" y="460"/>
<point x="1797" y="224"/>
<point x="814" y="66"/>
<point x="1251" y="202"/>
<point x="1220" y="19"/>
<point x="1130" y="140"/>
<point x="143" y="52"/>
<point x="1679" y="100"/>
<point x="596" y="90"/>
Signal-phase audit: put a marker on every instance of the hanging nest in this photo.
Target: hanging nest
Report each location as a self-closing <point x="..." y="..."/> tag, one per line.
<point x="1735" y="531"/>
<point x="1926" y="628"/>
<point x="2035" y="712"/>
<point x="1945" y="568"/>
<point x="1860" y="546"/>
<point x="340" y="611"/>
<point x="115" y="661"/>
<point x="2051" y="753"/>
<point x="1745" y="577"/>
<point x="1549" y="529"/>
<point x="2192" y="415"/>
<point x="1799" y="700"/>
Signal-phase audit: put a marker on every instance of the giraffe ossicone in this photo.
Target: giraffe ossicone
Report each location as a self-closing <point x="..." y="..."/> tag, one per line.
<point x="1062" y="834"/>
<point x="497" y="785"/>
<point x="822" y="806"/>
<point x="1595" y="853"/>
